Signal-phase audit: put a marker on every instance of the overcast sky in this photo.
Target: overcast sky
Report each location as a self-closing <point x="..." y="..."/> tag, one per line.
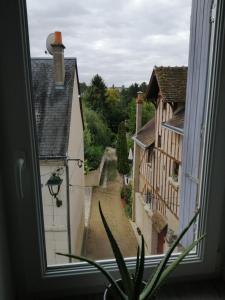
<point x="121" y="40"/>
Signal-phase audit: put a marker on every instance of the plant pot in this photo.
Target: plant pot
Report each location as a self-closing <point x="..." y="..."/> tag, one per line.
<point x="108" y="295"/>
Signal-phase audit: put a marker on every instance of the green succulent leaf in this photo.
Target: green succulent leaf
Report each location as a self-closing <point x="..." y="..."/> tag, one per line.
<point x="140" y="272"/>
<point x="153" y="282"/>
<point x="125" y="276"/>
<point x="137" y="264"/>
<point x="174" y="264"/>
<point x="100" y="268"/>
<point x="132" y="284"/>
<point x="172" y="267"/>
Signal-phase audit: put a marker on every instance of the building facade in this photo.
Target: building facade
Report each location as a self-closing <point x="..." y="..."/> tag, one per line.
<point x="158" y="159"/>
<point x="59" y="124"/>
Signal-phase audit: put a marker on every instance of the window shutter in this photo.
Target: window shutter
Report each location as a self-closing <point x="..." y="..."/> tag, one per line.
<point x="194" y="112"/>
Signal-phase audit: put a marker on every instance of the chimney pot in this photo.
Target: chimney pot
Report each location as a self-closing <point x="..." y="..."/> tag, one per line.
<point x="58" y="38"/>
<point x="139" y="98"/>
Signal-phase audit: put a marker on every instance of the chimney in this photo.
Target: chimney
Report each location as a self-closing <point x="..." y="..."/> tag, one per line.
<point x="139" y="101"/>
<point x="58" y="59"/>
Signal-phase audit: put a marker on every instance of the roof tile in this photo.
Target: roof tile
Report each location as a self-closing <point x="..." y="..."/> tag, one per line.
<point x="176" y="122"/>
<point x="170" y="81"/>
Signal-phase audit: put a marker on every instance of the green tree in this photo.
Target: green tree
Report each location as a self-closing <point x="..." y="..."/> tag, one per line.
<point x="114" y="112"/>
<point x="83" y="87"/>
<point x="93" y="156"/>
<point x="96" y="96"/>
<point x="127" y="94"/>
<point x="113" y="96"/>
<point x="97" y="136"/>
<point x="143" y="87"/>
<point x="87" y="136"/>
<point x="148" y="111"/>
<point x="100" y="133"/>
<point x="122" y="152"/>
<point x="131" y="122"/>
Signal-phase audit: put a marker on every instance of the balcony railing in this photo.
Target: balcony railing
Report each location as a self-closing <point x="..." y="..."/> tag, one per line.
<point x="155" y="203"/>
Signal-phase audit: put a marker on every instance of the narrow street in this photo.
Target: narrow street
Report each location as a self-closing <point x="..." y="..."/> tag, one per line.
<point x="96" y="245"/>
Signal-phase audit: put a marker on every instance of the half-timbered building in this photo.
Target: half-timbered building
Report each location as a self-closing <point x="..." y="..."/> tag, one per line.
<point x="158" y="157"/>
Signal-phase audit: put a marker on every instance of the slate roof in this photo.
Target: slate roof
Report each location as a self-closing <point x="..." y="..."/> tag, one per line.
<point x="170" y="81"/>
<point x="52" y="106"/>
<point x="146" y="135"/>
<point x="176" y="123"/>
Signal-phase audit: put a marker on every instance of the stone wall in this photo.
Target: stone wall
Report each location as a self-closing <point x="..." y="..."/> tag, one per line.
<point x="92" y="178"/>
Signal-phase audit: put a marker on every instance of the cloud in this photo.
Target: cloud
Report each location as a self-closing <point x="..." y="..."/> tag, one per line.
<point x="120" y="40"/>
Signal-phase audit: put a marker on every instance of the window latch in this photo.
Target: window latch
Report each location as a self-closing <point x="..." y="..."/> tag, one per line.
<point x="192" y="178"/>
<point x="19" y="170"/>
<point x="213" y="12"/>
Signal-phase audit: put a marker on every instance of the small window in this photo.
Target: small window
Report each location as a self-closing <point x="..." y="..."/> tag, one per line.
<point x="175" y="174"/>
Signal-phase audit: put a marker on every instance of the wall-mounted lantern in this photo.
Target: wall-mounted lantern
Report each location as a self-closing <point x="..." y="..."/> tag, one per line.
<point x="54" y="184"/>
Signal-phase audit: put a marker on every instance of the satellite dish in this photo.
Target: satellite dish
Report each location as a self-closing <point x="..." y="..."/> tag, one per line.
<point x="50" y="40"/>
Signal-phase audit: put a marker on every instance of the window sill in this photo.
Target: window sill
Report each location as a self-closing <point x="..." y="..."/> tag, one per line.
<point x="174" y="183"/>
<point x="56" y="228"/>
<point x="198" y="290"/>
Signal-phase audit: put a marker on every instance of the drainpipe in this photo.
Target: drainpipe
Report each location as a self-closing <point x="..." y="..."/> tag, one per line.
<point x="136" y="161"/>
<point x="139" y="102"/>
<point x="68" y="207"/>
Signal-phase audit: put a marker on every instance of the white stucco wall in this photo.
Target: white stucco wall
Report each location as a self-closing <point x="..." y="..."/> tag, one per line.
<point x="76" y="174"/>
<point x="55" y="218"/>
<point x="144" y="222"/>
<point x="92" y="178"/>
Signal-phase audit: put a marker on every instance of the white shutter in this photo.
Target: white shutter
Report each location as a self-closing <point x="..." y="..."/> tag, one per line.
<point x="194" y="111"/>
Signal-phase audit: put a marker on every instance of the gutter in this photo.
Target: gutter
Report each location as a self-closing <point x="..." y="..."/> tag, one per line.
<point x="68" y="207"/>
<point x="63" y="157"/>
<point x="68" y="200"/>
<point x="173" y="128"/>
<point x="143" y="146"/>
<point x="79" y="95"/>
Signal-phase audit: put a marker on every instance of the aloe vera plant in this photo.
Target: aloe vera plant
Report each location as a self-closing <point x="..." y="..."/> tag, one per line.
<point x="132" y="284"/>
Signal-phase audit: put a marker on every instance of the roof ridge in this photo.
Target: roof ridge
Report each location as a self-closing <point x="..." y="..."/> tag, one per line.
<point x="170" y="67"/>
<point x="51" y="58"/>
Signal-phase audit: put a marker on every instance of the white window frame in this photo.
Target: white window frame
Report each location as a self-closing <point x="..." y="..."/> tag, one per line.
<point x="23" y="192"/>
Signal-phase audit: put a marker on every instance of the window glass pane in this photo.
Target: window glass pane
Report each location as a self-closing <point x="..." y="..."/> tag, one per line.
<point x="109" y="134"/>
